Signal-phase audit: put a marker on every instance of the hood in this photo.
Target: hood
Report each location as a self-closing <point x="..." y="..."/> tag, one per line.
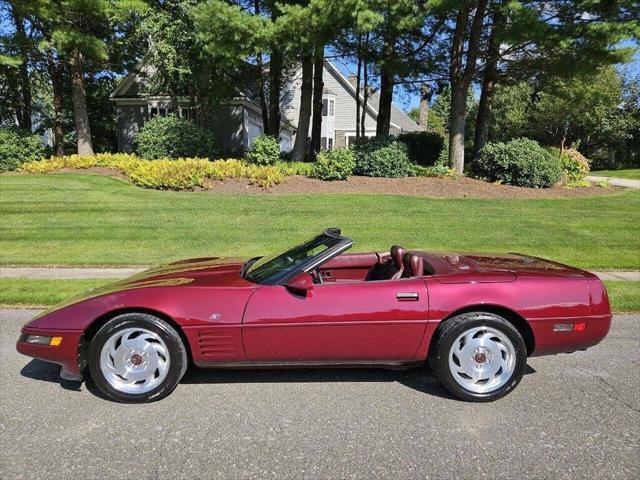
<point x="483" y="268"/>
<point x="200" y="272"/>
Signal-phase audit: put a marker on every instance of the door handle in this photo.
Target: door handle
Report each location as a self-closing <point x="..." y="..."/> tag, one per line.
<point x="407" y="296"/>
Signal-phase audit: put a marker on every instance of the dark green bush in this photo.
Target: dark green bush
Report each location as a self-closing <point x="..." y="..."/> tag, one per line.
<point x="18" y="146"/>
<point x="335" y="164"/>
<point x="264" y="150"/>
<point x="520" y="162"/>
<point x="173" y="137"/>
<point x="382" y="157"/>
<point x="424" y="148"/>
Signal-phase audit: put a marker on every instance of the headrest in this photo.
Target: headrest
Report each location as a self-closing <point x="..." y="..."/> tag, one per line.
<point x="413" y="265"/>
<point x="397" y="252"/>
<point x="417" y="266"/>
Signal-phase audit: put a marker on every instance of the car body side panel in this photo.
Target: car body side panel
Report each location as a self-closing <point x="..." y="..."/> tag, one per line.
<point x="541" y="301"/>
<point x="342" y="322"/>
<point x="211" y="318"/>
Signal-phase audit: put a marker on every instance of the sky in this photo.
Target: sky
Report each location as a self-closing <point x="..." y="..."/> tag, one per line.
<point x="408" y="100"/>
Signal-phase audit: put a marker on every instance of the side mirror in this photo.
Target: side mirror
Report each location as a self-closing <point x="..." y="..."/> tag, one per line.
<point x="301" y="284"/>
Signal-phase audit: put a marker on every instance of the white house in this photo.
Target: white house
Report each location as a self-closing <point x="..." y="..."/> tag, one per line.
<point x="238" y="121"/>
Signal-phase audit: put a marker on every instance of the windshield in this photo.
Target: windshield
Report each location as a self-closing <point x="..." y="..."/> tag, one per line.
<point x="273" y="269"/>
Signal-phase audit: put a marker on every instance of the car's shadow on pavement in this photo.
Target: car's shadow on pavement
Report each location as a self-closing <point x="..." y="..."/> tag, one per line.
<point x="419" y="378"/>
<point x="48" y="372"/>
<point x="416" y="378"/>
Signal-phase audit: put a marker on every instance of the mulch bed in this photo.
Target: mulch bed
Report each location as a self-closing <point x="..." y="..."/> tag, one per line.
<point x="411" y="186"/>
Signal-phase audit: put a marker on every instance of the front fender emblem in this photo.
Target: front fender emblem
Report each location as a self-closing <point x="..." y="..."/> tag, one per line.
<point x="215" y="316"/>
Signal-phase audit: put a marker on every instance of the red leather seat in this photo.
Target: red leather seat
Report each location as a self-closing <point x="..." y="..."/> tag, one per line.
<point x="390" y="269"/>
<point x="413" y="265"/>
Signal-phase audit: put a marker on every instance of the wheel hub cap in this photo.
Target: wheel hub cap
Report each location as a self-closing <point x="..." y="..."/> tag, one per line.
<point x="482" y="359"/>
<point x="134" y="360"/>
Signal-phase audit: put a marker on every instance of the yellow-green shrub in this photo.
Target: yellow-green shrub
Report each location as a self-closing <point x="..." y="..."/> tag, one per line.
<point x="169" y="174"/>
<point x="180" y="174"/>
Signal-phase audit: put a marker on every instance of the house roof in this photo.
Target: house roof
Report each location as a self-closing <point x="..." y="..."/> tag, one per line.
<point x="399" y="119"/>
<point x="131" y="85"/>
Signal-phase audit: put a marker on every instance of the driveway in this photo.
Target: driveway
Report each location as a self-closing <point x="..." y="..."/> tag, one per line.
<point x="616" y="182"/>
<point x="573" y="416"/>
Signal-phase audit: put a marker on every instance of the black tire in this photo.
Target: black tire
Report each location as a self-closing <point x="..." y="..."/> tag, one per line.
<point x="178" y="360"/>
<point x="447" y="334"/>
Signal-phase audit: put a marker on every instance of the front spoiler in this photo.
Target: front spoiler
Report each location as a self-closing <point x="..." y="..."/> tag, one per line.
<point x="66" y="354"/>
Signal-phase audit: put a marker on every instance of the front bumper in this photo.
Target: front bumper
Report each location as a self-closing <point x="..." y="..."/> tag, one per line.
<point x="66" y="354"/>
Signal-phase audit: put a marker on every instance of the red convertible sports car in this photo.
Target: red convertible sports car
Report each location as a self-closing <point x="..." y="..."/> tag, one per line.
<point x="474" y="319"/>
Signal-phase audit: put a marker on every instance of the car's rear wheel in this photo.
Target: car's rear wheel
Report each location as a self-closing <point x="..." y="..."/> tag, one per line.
<point x="478" y="356"/>
<point x="136" y="358"/>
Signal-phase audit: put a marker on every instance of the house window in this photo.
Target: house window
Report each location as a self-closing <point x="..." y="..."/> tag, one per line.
<point x="154" y="112"/>
<point x="323" y="143"/>
<point x="331" y="102"/>
<point x="330" y="146"/>
<point x="163" y="112"/>
<point x="325" y="107"/>
<point x="350" y="140"/>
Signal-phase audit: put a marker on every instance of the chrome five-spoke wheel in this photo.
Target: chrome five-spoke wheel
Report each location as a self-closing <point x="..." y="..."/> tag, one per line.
<point x="478" y="356"/>
<point x="482" y="359"/>
<point x="137" y="357"/>
<point x="134" y="360"/>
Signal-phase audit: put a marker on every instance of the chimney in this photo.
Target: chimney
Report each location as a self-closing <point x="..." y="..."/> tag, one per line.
<point x="425" y="96"/>
<point x="353" y="80"/>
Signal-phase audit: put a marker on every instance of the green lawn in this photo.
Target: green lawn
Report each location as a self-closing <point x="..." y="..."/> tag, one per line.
<point x="624" y="296"/>
<point x="35" y="292"/>
<point x="73" y="219"/>
<point x="631" y="173"/>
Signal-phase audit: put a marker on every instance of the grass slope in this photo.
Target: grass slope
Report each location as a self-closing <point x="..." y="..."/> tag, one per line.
<point x="631" y="173"/>
<point x="624" y="296"/>
<point x="76" y="219"/>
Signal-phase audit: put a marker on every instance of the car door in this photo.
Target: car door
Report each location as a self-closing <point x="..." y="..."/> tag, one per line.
<point x="336" y="322"/>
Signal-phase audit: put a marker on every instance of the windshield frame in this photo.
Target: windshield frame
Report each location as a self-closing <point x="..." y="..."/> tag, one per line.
<point x="342" y="244"/>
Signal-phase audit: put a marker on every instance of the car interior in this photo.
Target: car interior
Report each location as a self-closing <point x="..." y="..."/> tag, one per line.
<point x="351" y="267"/>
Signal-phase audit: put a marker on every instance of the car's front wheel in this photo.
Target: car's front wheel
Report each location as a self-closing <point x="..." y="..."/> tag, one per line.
<point x="136" y="358"/>
<point x="478" y="356"/>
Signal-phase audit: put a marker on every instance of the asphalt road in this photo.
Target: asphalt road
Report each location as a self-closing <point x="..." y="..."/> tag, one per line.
<point x="573" y="416"/>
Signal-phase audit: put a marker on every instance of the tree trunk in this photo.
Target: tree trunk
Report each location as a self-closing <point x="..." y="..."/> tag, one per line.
<point x="275" y="86"/>
<point x="56" y="82"/>
<point x="425" y="95"/>
<point x="358" y="80"/>
<point x="365" y="96"/>
<point x="485" y="107"/>
<point x="80" y="114"/>
<point x="456" y="128"/>
<point x="261" y="83"/>
<point x="461" y="73"/>
<point x="262" y="95"/>
<point x="24" y="115"/>
<point x="304" y="118"/>
<point x="386" y="97"/>
<point x="318" y="87"/>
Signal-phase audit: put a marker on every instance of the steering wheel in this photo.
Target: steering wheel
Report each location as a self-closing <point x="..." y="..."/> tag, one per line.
<point x="317" y="276"/>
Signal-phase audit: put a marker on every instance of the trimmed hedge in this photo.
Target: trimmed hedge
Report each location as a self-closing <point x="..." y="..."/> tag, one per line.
<point x="264" y="150"/>
<point x="335" y="164"/>
<point x="164" y="173"/>
<point x="382" y="157"/>
<point x="18" y="146"/>
<point x="521" y="162"/>
<point x="173" y="137"/>
<point x="423" y="148"/>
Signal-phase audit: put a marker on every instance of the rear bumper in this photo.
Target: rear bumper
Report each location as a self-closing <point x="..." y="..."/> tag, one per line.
<point x="548" y="341"/>
<point x="65" y="354"/>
